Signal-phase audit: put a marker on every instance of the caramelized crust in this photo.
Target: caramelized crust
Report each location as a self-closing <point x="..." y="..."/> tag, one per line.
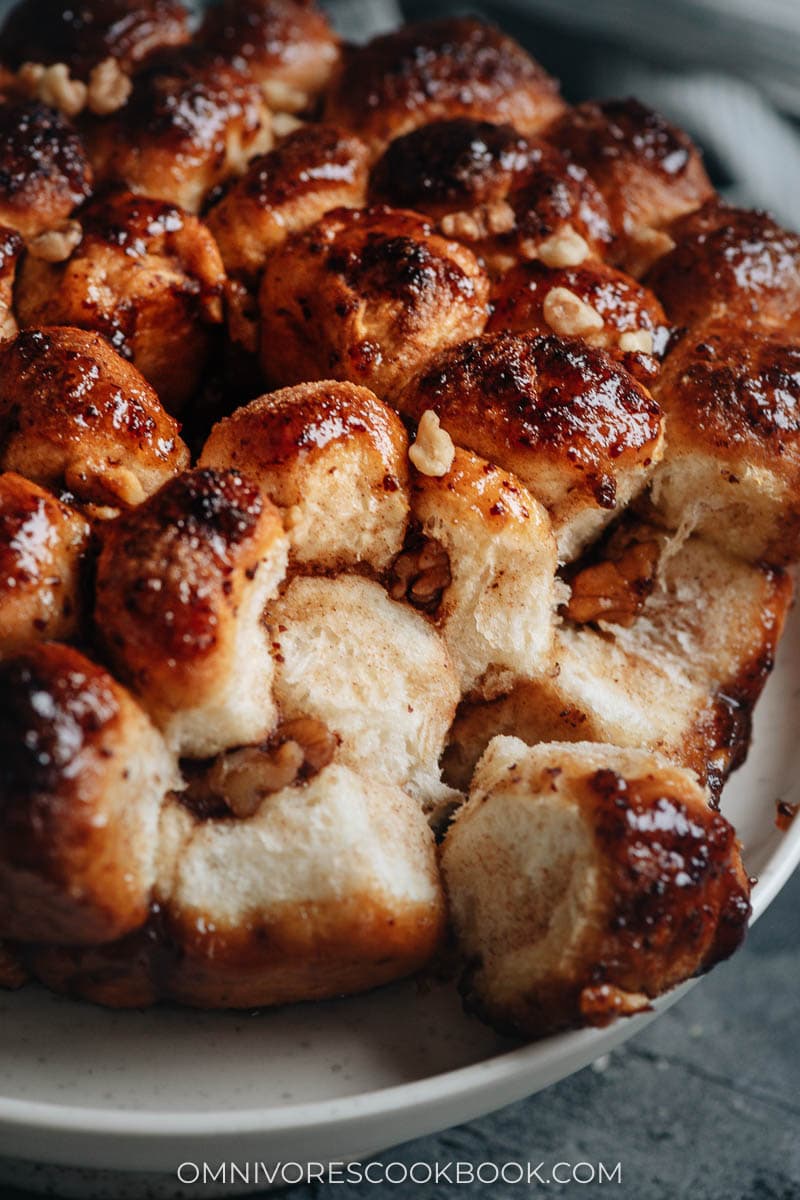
<point x="368" y="296"/>
<point x="485" y="184"/>
<point x="438" y="69"/>
<point x="146" y="275"/>
<point x="333" y="458"/>
<point x="83" y="35"/>
<point x="181" y="587"/>
<point x="576" y="428"/>
<point x="191" y="123"/>
<point x="584" y="881"/>
<point x="648" y="171"/>
<point x="314" y="169"/>
<point x="44" y="170"/>
<point x="76" y="417"/>
<point x="732" y="467"/>
<point x="11" y="246"/>
<point x="83" y="775"/>
<point x="285" y="45"/>
<point x="42" y="547"/>
<point x="610" y="305"/>
<point x="732" y="264"/>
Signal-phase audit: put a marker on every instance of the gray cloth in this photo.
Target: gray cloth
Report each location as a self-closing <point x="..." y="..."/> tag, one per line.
<point x="726" y="70"/>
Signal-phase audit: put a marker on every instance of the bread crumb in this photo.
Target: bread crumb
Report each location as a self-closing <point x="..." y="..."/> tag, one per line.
<point x="109" y="88"/>
<point x="433" y="451"/>
<point x="568" y="315"/>
<point x="564" y="249"/>
<point x="56" y="245"/>
<point x="54" y="86"/>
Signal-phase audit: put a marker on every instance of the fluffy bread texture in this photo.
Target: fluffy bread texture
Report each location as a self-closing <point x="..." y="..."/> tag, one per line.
<point x="331" y="887"/>
<point x="334" y="459"/>
<point x="373" y="671"/>
<point x="583" y="881"/>
<point x="76" y="417"/>
<point x="497" y="612"/>
<point x="682" y="679"/>
<point x="579" y="431"/>
<point x="181" y="587"/>
<point x="367" y="295"/>
<point x="83" y="776"/>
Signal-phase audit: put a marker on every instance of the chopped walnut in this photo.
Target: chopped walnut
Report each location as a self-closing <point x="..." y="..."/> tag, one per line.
<point x="636" y="341"/>
<point x="54" y="86"/>
<point x="245" y="778"/>
<point x="497" y="217"/>
<point x="433" y="451"/>
<point x="56" y="245"/>
<point x="463" y="225"/>
<point x="568" y="315"/>
<point x="614" y="591"/>
<point x="283" y="123"/>
<point x="421" y="573"/>
<point x="109" y="88"/>
<point x="646" y="247"/>
<point x="282" y="97"/>
<point x="563" y="249"/>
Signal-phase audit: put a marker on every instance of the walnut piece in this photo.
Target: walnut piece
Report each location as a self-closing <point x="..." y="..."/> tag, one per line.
<point x="563" y="249"/>
<point x="568" y="315"/>
<point x="421" y="573"/>
<point x="646" y="246"/>
<point x="54" y="86"/>
<point x="282" y="97"/>
<point x="614" y="591"/>
<point x="433" y="451"/>
<point x="56" y="245"/>
<point x="636" y="341"/>
<point x="109" y="88"/>
<point x="480" y="222"/>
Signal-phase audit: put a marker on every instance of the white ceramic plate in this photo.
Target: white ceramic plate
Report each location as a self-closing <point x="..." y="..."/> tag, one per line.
<point x="143" y="1092"/>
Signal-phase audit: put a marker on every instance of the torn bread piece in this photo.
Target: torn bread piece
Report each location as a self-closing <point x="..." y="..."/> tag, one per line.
<point x="583" y="881"/>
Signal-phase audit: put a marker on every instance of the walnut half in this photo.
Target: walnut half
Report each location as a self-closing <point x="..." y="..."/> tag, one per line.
<point x="614" y="591"/>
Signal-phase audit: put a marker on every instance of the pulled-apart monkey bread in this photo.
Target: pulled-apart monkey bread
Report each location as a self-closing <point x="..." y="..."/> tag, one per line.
<point x="477" y="530"/>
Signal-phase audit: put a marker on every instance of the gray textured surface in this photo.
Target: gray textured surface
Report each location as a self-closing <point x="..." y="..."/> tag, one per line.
<point x="704" y="1104"/>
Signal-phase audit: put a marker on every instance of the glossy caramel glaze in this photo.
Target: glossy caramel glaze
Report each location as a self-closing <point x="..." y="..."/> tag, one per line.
<point x="367" y="296"/>
<point x="44" y="170"/>
<point x="146" y="275"/>
<point x="625" y="306"/>
<point x="316" y="168"/>
<point x="11" y="247"/>
<point x="286" y="45"/>
<point x="82" y="35"/>
<point x="191" y="123"/>
<point x="77" y="418"/>
<point x="648" y="171"/>
<point x="170" y="577"/>
<point x="437" y="69"/>
<point x="734" y="264"/>
<point x="43" y="544"/>
<point x="538" y="404"/>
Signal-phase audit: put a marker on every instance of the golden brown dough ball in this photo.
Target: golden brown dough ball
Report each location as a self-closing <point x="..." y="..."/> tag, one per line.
<point x="648" y="171"/>
<point x="505" y="195"/>
<point x="83" y="35"/>
<point x="190" y="124"/>
<point x="732" y="264"/>
<point x="77" y="418"/>
<point x="44" y="169"/>
<point x="436" y="69"/>
<point x="287" y="46"/>
<point x="42" y="549"/>
<point x="333" y="458"/>
<point x="330" y="888"/>
<point x="594" y="302"/>
<point x="83" y="775"/>
<point x="731" y="470"/>
<point x="314" y="169"/>
<point x="373" y="672"/>
<point x="368" y="296"/>
<point x="575" y="427"/>
<point x="666" y="646"/>
<point x="146" y="275"/>
<point x="181" y="586"/>
<point x="481" y="560"/>
<point x="584" y="881"/>
<point x="11" y="246"/>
